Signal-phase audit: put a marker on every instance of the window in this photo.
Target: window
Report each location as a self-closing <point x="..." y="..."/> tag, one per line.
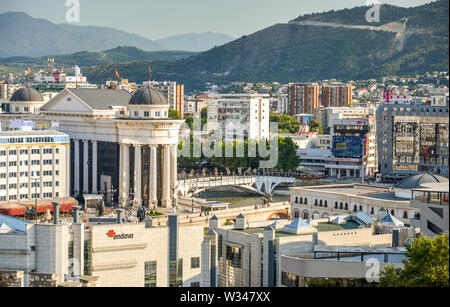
<point x="136" y="113"/>
<point x="195" y="284"/>
<point x="150" y="274"/>
<point x="2" y="164"/>
<point x="195" y="262"/>
<point x="233" y="255"/>
<point x="290" y="280"/>
<point x="35" y="151"/>
<point x="176" y="273"/>
<point x="12" y="152"/>
<point x="12" y="163"/>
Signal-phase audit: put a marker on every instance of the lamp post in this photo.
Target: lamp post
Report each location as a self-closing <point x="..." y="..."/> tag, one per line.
<point x="35" y="197"/>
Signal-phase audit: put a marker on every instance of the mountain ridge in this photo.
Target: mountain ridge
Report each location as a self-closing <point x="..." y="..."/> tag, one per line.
<point x="289" y="52"/>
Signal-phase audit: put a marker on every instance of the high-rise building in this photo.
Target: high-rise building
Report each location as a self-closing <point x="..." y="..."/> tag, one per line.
<point x="337" y="95"/>
<point x="34" y="164"/>
<point x="239" y="116"/>
<point x="412" y="139"/>
<point x="303" y="98"/>
<point x="354" y="148"/>
<point x="173" y="92"/>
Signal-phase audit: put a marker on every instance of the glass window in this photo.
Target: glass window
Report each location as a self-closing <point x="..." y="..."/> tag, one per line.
<point x="195" y="262"/>
<point x="233" y="255"/>
<point x="150" y="274"/>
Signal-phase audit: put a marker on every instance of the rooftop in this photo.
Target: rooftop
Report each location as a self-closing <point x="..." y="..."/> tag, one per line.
<point x="369" y="191"/>
<point x="321" y="227"/>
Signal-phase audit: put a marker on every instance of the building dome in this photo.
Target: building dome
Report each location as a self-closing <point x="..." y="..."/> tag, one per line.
<point x="415" y="181"/>
<point x="26" y="94"/>
<point x="148" y="96"/>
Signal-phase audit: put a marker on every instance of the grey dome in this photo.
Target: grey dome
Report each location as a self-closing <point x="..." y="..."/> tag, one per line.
<point x="26" y="94"/>
<point x="415" y="181"/>
<point x="148" y="96"/>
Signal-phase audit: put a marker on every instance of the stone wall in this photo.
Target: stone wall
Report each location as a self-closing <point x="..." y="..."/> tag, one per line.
<point x="11" y="279"/>
<point x="42" y="280"/>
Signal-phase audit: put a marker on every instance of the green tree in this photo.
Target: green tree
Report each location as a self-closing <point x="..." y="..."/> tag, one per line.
<point x="286" y="123"/>
<point x="315" y="126"/>
<point x="427" y="265"/>
<point x="174" y="114"/>
<point x="287" y="155"/>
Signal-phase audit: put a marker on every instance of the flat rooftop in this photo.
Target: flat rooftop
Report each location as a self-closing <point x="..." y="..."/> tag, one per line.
<point x="321" y="227"/>
<point x="369" y="191"/>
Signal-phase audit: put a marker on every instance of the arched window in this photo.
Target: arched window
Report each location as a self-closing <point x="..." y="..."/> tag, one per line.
<point x="393" y="212"/>
<point x="360" y="208"/>
<point x="341" y="206"/>
<point x="405" y="214"/>
<point x="315" y="202"/>
<point x="346" y="206"/>
<point x="296" y="214"/>
<point x="320" y="203"/>
<point x="355" y="209"/>
<point x="326" y="204"/>
<point x="301" y="200"/>
<point x="335" y="205"/>
<point x="306" y="201"/>
<point x="296" y="199"/>
<point x="372" y="211"/>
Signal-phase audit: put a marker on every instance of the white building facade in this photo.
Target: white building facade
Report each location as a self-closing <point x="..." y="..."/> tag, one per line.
<point x="34" y="165"/>
<point x="239" y="116"/>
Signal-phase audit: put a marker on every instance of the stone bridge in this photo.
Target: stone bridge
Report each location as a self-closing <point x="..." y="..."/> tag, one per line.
<point x="257" y="184"/>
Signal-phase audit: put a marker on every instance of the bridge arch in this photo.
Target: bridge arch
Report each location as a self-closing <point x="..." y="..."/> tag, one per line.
<point x="281" y="213"/>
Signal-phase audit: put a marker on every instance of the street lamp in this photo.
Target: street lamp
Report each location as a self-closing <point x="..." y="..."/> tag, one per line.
<point x="35" y="197"/>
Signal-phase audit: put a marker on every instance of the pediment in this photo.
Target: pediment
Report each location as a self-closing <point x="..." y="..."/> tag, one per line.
<point x="66" y="102"/>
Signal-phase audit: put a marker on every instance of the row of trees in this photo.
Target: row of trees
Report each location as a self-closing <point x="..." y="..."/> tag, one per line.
<point x="287" y="156"/>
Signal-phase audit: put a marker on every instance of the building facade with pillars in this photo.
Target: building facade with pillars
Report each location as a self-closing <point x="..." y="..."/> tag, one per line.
<point x="122" y="146"/>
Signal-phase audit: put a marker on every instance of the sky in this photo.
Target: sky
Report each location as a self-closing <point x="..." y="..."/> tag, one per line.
<point x="157" y="19"/>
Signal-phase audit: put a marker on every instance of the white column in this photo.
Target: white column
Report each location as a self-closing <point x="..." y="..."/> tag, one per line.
<point x="94" y="167"/>
<point x="173" y="169"/>
<point x="166" y="199"/>
<point x="153" y="169"/>
<point x="126" y="173"/>
<point x="120" y="173"/>
<point x="85" y="167"/>
<point x="138" y="174"/>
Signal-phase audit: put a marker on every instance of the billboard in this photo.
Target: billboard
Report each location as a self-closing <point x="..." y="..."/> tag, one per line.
<point x="348" y="146"/>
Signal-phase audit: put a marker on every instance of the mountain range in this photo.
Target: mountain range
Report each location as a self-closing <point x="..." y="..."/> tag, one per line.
<point x="336" y="44"/>
<point x="22" y="35"/>
<point x="119" y="54"/>
<point x="331" y="45"/>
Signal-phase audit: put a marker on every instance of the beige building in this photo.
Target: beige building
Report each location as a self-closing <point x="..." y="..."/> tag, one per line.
<point x="117" y="255"/>
<point x="250" y="253"/>
<point x="123" y="146"/>
<point x="329" y="200"/>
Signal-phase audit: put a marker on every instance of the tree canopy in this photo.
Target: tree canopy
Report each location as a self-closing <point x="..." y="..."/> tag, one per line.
<point x="427" y="265"/>
<point x="286" y="123"/>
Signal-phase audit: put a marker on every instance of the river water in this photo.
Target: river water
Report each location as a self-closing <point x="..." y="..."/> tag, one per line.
<point x="238" y="199"/>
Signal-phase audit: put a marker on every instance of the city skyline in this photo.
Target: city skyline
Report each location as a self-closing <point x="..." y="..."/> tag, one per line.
<point x="179" y="17"/>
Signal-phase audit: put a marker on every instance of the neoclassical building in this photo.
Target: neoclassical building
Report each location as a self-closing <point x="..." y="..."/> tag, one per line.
<point x="123" y="146"/>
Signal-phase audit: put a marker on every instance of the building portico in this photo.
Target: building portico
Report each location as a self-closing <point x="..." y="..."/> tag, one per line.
<point x="122" y="146"/>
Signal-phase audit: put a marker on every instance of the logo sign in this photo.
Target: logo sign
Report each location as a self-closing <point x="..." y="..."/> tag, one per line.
<point x="113" y="235"/>
<point x="20" y="123"/>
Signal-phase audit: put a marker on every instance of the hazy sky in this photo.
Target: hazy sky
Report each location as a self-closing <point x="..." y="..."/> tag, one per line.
<point x="157" y="19"/>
